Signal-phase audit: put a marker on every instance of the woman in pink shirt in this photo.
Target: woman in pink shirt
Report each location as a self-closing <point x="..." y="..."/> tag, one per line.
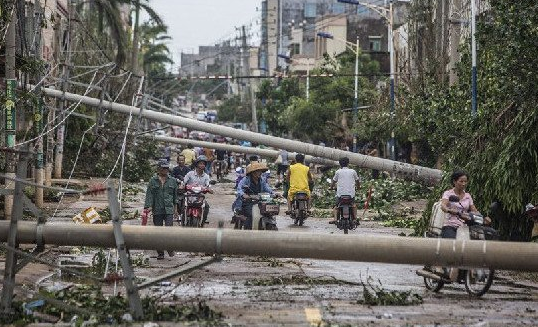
<point x="455" y="219"/>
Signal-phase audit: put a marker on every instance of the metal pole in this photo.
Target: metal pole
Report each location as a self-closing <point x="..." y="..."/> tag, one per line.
<point x="392" y="100"/>
<point x="473" y="58"/>
<point x="10" y="112"/>
<point x="308" y="81"/>
<point x="360" y="248"/>
<point x="404" y="169"/>
<point x="12" y="241"/>
<point x="356" y="97"/>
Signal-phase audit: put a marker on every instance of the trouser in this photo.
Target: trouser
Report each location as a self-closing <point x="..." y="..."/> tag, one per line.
<point x="159" y="220"/>
<point x="206" y="212"/>
<point x="448" y="232"/>
<point x="247" y="211"/>
<point x="489" y="233"/>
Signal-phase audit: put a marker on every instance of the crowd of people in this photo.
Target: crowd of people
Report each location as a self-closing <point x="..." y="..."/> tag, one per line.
<point x="195" y="166"/>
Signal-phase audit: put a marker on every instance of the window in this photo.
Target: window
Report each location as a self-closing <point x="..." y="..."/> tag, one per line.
<point x="375" y="43"/>
<point x="295" y="49"/>
<point x="338" y="8"/>
<point x="310" y="10"/>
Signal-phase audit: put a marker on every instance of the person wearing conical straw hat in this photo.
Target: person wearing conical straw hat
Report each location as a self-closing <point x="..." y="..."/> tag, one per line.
<point x="252" y="183"/>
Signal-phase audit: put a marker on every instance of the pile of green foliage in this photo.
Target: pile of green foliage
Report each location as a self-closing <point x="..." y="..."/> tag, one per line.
<point x="82" y="303"/>
<point x="384" y="192"/>
<point x="376" y="295"/>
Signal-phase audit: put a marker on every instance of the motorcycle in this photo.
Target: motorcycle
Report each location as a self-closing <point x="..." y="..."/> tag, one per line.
<point x="263" y="215"/>
<point x="264" y="209"/>
<point x="345" y="218"/>
<point x="299" y="208"/>
<point x="194" y="206"/>
<point x="477" y="280"/>
<point x="219" y="169"/>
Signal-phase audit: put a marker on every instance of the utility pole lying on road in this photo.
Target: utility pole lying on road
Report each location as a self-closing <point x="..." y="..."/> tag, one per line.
<point x="359" y="248"/>
<point x="237" y="148"/>
<point x="399" y="168"/>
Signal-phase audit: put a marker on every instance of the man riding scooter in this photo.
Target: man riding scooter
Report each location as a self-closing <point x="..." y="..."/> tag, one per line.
<point x="299" y="178"/>
<point x="199" y="177"/>
<point x="251" y="184"/>
<point x="346" y="181"/>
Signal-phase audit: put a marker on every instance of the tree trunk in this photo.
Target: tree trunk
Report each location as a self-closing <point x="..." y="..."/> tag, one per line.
<point x="134" y="55"/>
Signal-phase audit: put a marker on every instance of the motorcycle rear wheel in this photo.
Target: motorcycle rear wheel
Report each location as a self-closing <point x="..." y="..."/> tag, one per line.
<point x="301" y="217"/>
<point x="478" y="281"/>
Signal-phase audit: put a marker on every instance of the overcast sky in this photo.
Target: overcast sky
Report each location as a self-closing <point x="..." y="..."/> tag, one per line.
<point x="192" y="23"/>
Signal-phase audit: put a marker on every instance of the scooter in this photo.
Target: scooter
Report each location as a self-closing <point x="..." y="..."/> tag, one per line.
<point x="264" y="209"/>
<point x="477" y="280"/>
<point x="345" y="218"/>
<point x="299" y="208"/>
<point x="195" y="205"/>
<point x="263" y="214"/>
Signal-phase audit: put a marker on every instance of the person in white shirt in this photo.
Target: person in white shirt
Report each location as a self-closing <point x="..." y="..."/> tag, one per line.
<point x="346" y="181"/>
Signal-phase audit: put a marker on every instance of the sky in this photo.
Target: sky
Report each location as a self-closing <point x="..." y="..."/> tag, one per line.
<point x="192" y="23"/>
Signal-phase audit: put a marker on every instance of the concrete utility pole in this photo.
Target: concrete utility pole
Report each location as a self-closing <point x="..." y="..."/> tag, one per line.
<point x="12" y="237"/>
<point x="269" y="153"/>
<point x="395" y="167"/>
<point x="134" y="54"/>
<point x="359" y="248"/>
<point x="454" y="37"/>
<point x="38" y="114"/>
<point x="60" y="135"/>
<point x="10" y="107"/>
<point x="251" y="82"/>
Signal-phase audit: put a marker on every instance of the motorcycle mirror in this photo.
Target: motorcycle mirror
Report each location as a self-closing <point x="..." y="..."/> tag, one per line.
<point x="212" y="182"/>
<point x="453" y="198"/>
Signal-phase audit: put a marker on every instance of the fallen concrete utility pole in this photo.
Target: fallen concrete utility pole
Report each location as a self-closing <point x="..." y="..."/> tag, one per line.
<point x="361" y="248"/>
<point x="236" y="148"/>
<point x="399" y="168"/>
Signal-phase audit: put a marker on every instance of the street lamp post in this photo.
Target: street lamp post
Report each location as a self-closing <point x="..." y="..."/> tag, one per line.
<point x="388" y="15"/>
<point x="356" y="90"/>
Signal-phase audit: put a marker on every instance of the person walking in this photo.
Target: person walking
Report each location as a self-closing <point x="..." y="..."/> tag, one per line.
<point x="161" y="200"/>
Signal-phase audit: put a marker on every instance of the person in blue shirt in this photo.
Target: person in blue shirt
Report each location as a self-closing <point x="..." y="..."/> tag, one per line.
<point x="252" y="183"/>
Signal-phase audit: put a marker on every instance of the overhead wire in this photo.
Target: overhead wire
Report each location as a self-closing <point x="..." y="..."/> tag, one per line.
<point x="80" y="146"/>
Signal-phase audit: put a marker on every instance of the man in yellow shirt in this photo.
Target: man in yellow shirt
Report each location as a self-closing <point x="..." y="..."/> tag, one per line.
<point x="298" y="178"/>
<point x="189" y="155"/>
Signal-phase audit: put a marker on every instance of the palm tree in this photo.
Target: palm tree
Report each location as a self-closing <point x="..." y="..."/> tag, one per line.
<point x="108" y="16"/>
<point x="141" y="4"/>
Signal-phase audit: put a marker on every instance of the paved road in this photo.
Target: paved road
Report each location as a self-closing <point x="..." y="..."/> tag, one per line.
<point x="304" y="292"/>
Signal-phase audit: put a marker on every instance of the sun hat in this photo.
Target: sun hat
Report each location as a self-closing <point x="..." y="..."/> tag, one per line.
<point x="255" y="165"/>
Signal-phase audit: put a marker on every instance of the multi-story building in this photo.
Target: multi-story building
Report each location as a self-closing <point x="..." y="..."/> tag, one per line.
<point x="289" y="27"/>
